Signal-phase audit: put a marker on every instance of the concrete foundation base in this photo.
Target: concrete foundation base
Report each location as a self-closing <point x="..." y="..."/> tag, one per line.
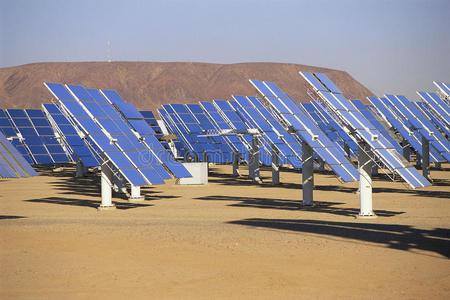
<point x="110" y="207"/>
<point x="199" y="172"/>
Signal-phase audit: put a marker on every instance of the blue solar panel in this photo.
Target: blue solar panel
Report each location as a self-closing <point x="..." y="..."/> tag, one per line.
<point x="59" y="91"/>
<point x="297" y="119"/>
<point x="14" y="160"/>
<point x="344" y="109"/>
<point x="313" y="81"/>
<point x="327" y="83"/>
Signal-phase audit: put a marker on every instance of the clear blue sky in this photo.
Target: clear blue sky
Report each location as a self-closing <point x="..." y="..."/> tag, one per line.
<point x="395" y="46"/>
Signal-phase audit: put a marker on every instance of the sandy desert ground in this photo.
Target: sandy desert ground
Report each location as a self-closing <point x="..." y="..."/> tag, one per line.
<point x="228" y="240"/>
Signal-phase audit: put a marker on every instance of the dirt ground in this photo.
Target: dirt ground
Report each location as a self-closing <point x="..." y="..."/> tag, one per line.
<point x="228" y="240"/>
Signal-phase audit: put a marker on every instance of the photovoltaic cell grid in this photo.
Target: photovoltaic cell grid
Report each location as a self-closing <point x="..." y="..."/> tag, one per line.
<point x="443" y="87"/>
<point x="70" y="138"/>
<point x="214" y="150"/>
<point x="226" y="151"/>
<point x="330" y="119"/>
<point x="307" y="129"/>
<point x="38" y="136"/>
<point x="291" y="141"/>
<point x="12" y="163"/>
<point x="240" y="120"/>
<point x="379" y="145"/>
<point x="173" y="121"/>
<point x="7" y="128"/>
<point x="434" y="117"/>
<point x="419" y="122"/>
<point x="240" y="144"/>
<point x="149" y="117"/>
<point x="438" y="105"/>
<point x="384" y="108"/>
<point x="143" y="132"/>
<point x="333" y="131"/>
<point x="114" y="141"/>
<point x="179" y="142"/>
<point x="273" y="135"/>
<point x="365" y="110"/>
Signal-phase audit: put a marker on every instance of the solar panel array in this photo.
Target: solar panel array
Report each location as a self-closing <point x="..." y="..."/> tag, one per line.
<point x="365" y="131"/>
<point x="12" y="163"/>
<point x="443" y="87"/>
<point x="69" y="136"/>
<point x="275" y="135"/>
<point x="145" y="134"/>
<point x="439" y="106"/>
<point x="290" y="112"/>
<point x="98" y="120"/>
<point x="38" y="136"/>
<point x="419" y="122"/>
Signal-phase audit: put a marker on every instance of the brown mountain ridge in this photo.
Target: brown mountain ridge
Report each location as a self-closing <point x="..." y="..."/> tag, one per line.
<point x="148" y="85"/>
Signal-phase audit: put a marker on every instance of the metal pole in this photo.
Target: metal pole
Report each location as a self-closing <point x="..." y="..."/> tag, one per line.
<point x="426" y="158"/>
<point x="418" y="161"/>
<point x="307" y="174"/>
<point x="235" y="164"/>
<point x="365" y="182"/>
<point x="106" y="182"/>
<point x="81" y="170"/>
<point x="406" y="150"/>
<point x="321" y="165"/>
<point x="347" y="150"/>
<point x="275" y="166"/>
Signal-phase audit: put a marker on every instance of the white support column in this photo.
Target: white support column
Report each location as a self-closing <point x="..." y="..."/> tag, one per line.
<point x="235" y="164"/>
<point x="275" y="166"/>
<point x="426" y="158"/>
<point x="106" y="184"/>
<point x="253" y="166"/>
<point x="365" y="183"/>
<point x="307" y="174"/>
<point x="136" y="194"/>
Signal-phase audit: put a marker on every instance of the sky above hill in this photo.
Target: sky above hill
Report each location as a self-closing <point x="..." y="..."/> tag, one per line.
<point x="396" y="46"/>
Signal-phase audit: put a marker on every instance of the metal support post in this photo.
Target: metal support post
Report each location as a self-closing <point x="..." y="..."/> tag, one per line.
<point x="106" y="183"/>
<point x="235" y="164"/>
<point x="253" y="166"/>
<point x="438" y="165"/>
<point x="136" y="194"/>
<point x="426" y="158"/>
<point x="374" y="170"/>
<point x="206" y="160"/>
<point x="406" y="150"/>
<point x="81" y="169"/>
<point x="365" y="182"/>
<point x="418" y="161"/>
<point x="275" y="166"/>
<point x="321" y="165"/>
<point x="347" y="150"/>
<point x="307" y="174"/>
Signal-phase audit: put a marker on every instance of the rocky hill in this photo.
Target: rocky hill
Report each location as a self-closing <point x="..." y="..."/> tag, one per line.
<point x="150" y="84"/>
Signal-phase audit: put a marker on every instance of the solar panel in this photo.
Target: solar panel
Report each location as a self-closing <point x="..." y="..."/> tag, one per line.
<point x="240" y="144"/>
<point x="309" y="131"/>
<point x="367" y="113"/>
<point x="434" y="117"/>
<point x="116" y="148"/>
<point x="367" y="132"/>
<point x="330" y="127"/>
<point x="241" y="121"/>
<point x="12" y="163"/>
<point x="145" y="133"/>
<point x="29" y="136"/>
<point x="68" y="135"/>
<point x="443" y="87"/>
<point x="441" y="109"/>
<point x="275" y="135"/>
<point x="327" y="83"/>
<point x="420" y="123"/>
